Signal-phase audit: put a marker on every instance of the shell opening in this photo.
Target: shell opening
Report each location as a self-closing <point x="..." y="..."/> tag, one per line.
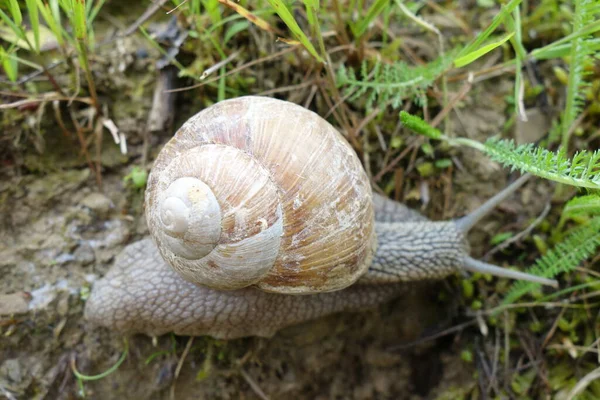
<point x="190" y="218"/>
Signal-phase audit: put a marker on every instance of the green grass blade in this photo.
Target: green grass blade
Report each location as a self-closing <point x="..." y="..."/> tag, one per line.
<point x="104" y="374"/>
<point x="194" y="7"/>
<point x="373" y="12"/>
<point x="521" y="54"/>
<point x="88" y="7"/>
<point x="287" y="17"/>
<point x="312" y="8"/>
<point x="162" y="51"/>
<point x="13" y="27"/>
<point x="51" y="21"/>
<point x="474" y="55"/>
<point x="212" y="9"/>
<point x="233" y="29"/>
<point x="585" y="31"/>
<point x="15" y="12"/>
<point x="78" y="19"/>
<point x="498" y="19"/>
<point x="94" y="12"/>
<point x="34" y="18"/>
<point x="23" y="61"/>
<point x="9" y="65"/>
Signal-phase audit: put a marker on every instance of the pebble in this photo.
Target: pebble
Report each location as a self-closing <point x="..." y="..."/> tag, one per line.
<point x="98" y="203"/>
<point x="84" y="254"/>
<point x="14" y="303"/>
<point x="12" y="370"/>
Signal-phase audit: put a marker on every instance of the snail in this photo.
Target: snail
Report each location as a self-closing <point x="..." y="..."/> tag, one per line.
<point x="261" y="216"/>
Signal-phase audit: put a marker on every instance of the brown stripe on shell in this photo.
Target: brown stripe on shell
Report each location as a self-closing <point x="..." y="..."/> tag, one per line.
<point x="328" y="228"/>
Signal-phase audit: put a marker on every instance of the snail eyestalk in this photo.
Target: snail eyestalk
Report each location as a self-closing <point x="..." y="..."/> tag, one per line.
<point x="473" y="265"/>
<point x="465" y="223"/>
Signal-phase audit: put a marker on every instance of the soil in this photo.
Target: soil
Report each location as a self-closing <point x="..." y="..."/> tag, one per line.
<point x="59" y="233"/>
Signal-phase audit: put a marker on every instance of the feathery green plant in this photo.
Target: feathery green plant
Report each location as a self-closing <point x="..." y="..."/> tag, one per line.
<point x="578" y="246"/>
<point x="392" y="83"/>
<point x="586" y="12"/>
<point x="583" y="170"/>
<point x="582" y="206"/>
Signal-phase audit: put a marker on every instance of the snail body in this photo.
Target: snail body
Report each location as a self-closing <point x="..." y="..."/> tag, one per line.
<point x="261" y="217"/>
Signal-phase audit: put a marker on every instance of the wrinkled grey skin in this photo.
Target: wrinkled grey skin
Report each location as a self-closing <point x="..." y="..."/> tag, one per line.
<point x="142" y="294"/>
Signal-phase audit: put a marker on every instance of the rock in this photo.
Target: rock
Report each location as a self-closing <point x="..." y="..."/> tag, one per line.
<point x="84" y="254"/>
<point x="117" y="233"/>
<point x="14" y="303"/>
<point x="98" y="203"/>
<point x="12" y="370"/>
<point x="532" y="130"/>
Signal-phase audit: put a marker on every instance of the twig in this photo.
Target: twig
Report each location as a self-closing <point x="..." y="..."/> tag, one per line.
<point x="218" y="65"/>
<point x="288" y="88"/>
<point x="521" y="234"/>
<point x="253" y="385"/>
<point x="238" y="69"/>
<point x="553" y="328"/>
<point x="583" y="383"/>
<point x="440" y="334"/>
<point x="49" y="97"/>
<point x="188" y="346"/>
<point x="153" y="8"/>
<point x="466" y="88"/>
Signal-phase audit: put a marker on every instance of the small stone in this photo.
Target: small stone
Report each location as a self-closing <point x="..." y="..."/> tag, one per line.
<point x="98" y="203"/>
<point x="12" y="370"/>
<point x="532" y="130"/>
<point x="14" y="303"/>
<point x="84" y="254"/>
<point x="117" y="233"/>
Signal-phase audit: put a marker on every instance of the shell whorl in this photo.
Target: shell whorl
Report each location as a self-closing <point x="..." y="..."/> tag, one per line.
<point x="258" y="191"/>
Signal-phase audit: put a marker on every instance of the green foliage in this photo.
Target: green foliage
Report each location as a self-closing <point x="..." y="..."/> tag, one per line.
<point x="359" y="27"/>
<point x="82" y="378"/>
<point x="419" y="126"/>
<point x="480" y="52"/>
<point x="582" y="206"/>
<point x="583" y="170"/>
<point x="585" y="13"/>
<point x="483" y="36"/>
<point x="289" y="20"/>
<point x="78" y="33"/>
<point x="9" y="64"/>
<point x="391" y="83"/>
<point x="137" y="178"/>
<point x="579" y="245"/>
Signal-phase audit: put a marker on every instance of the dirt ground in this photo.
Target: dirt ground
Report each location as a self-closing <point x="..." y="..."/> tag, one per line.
<point x="59" y="233"/>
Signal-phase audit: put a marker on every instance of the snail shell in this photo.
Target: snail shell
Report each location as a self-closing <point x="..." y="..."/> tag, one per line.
<point x="258" y="191"/>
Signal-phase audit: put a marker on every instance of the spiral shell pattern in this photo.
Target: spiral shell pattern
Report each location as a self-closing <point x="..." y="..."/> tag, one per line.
<point x="258" y="191"/>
